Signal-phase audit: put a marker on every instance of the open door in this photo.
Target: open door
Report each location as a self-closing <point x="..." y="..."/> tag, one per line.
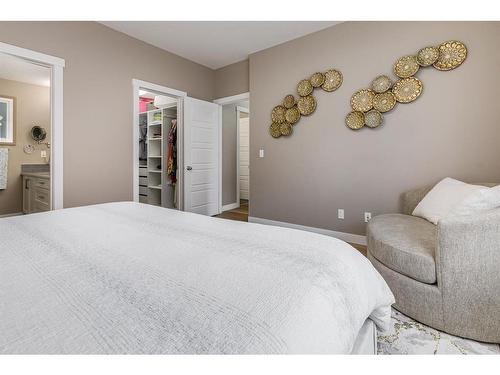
<point x="201" y="157"/>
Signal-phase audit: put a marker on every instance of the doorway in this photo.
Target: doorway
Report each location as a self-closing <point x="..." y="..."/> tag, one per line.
<point x="175" y="150"/>
<point x="235" y="155"/>
<point x="31" y="174"/>
<point x="158" y="146"/>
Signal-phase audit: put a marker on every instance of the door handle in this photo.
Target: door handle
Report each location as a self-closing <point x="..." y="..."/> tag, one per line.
<point x="189" y="168"/>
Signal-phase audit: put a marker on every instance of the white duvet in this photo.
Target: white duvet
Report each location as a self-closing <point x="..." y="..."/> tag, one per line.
<point x="133" y="278"/>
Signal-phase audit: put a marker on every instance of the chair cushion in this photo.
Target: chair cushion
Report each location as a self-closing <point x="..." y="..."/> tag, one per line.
<point x="405" y="244"/>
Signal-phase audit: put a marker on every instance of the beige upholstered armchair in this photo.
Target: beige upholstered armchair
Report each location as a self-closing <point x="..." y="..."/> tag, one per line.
<point x="447" y="275"/>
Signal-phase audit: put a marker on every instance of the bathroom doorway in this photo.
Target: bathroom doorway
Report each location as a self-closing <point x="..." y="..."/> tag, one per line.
<point x="25" y="136"/>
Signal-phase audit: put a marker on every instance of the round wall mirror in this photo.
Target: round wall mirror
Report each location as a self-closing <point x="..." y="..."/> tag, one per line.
<point x="38" y="133"/>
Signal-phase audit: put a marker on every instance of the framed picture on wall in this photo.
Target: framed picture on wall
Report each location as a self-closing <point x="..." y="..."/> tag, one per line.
<point x="7" y="120"/>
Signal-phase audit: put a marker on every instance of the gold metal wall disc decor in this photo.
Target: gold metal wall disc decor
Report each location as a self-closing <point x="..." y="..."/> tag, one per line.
<point x="427" y="56"/>
<point x="355" y="120"/>
<point x="407" y="90"/>
<point x="305" y="87"/>
<point x="451" y="55"/>
<point x="406" y="66"/>
<point x="384" y="102"/>
<point x="362" y="100"/>
<point x="286" y="128"/>
<point x="274" y="130"/>
<point x="381" y="84"/>
<point x="317" y="79"/>
<point x="333" y="80"/>
<point x="278" y="114"/>
<point x="306" y="105"/>
<point x="286" y="115"/>
<point x="289" y="101"/>
<point x="292" y="115"/>
<point x="373" y="118"/>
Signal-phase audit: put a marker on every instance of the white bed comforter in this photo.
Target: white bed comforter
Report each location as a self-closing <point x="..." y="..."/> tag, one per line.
<point x="133" y="278"/>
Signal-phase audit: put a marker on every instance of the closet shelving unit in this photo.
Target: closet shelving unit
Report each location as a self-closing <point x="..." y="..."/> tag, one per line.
<point x="154" y="186"/>
<point x="155" y="156"/>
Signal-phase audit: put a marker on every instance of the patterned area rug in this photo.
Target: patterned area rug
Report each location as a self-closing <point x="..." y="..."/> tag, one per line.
<point x="407" y="336"/>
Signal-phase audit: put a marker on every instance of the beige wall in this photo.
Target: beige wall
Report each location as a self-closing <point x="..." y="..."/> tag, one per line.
<point x="32" y="107"/>
<point x="232" y="80"/>
<point x="100" y="66"/>
<point x="451" y="130"/>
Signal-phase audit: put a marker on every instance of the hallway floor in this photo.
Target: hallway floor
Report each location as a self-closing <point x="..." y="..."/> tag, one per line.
<point x="239" y="214"/>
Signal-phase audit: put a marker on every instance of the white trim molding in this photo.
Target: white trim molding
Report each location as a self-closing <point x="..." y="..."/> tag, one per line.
<point x="230" y="206"/>
<point x="233" y="98"/>
<point x="347" y="237"/>
<point x="56" y="65"/>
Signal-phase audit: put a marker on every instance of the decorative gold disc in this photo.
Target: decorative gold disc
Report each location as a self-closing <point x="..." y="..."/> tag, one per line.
<point x="451" y="55"/>
<point x="304" y="87"/>
<point x="306" y="105"/>
<point x="278" y="114"/>
<point x="373" y="118"/>
<point x="427" y="56"/>
<point x="333" y="80"/>
<point x="274" y="130"/>
<point x="317" y="79"/>
<point x="362" y="100"/>
<point x="406" y="66"/>
<point x="407" y="90"/>
<point x="384" y="102"/>
<point x="289" y="101"/>
<point x="292" y="115"/>
<point x="286" y="128"/>
<point x="381" y="84"/>
<point x="355" y="120"/>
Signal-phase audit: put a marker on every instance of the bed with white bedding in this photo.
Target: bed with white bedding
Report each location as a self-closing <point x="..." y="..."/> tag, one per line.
<point x="132" y="278"/>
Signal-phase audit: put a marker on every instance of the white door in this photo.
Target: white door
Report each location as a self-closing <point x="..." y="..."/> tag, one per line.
<point x="244" y="158"/>
<point x="201" y="157"/>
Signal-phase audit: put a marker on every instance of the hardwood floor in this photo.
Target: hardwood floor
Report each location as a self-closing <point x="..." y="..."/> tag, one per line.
<point x="241" y="214"/>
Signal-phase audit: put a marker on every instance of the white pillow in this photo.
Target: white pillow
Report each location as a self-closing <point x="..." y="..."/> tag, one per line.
<point x="443" y="198"/>
<point x="480" y="201"/>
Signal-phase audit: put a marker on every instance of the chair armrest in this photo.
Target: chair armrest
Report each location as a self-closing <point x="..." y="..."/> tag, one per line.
<point x="468" y="269"/>
<point x="410" y="199"/>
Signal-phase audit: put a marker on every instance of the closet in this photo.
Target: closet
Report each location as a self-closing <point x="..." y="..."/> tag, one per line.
<point x="158" y="164"/>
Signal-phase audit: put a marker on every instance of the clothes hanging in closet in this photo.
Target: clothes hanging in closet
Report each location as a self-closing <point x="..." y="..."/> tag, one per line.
<point x="143" y="148"/>
<point x="172" y="153"/>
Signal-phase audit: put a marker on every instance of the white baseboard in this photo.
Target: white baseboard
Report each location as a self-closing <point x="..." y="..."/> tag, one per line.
<point x="14" y="214"/>
<point x="347" y="237"/>
<point x="231" y="206"/>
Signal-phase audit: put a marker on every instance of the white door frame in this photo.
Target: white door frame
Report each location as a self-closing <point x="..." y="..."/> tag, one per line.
<point x="56" y="66"/>
<point x="180" y="95"/>
<point x="223" y="101"/>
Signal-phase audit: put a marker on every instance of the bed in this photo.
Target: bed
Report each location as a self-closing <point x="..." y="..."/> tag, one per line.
<point x="130" y="278"/>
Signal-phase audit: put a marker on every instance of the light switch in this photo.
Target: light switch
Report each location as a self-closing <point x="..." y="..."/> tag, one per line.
<point x="261" y="153"/>
<point x="341" y="213"/>
<point x="43" y="154"/>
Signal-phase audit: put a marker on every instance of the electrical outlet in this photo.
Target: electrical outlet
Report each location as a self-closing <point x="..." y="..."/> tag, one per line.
<point x="368" y="216"/>
<point x="341" y="213"/>
<point x="261" y="153"/>
<point x="43" y="154"/>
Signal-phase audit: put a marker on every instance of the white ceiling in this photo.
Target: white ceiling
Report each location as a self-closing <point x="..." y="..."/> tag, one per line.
<point x="216" y="43"/>
<point x="16" y="69"/>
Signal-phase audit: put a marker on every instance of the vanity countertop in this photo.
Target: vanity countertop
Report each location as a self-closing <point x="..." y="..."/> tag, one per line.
<point x="45" y="175"/>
